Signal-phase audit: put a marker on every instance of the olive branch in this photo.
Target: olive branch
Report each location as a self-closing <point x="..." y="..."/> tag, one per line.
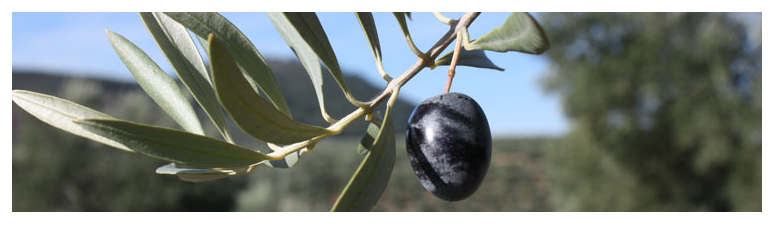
<point x="237" y="76"/>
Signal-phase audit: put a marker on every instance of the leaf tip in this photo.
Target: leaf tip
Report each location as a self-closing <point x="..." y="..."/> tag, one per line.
<point x="111" y="35"/>
<point x="15" y="95"/>
<point x="210" y="37"/>
<point x="17" y="92"/>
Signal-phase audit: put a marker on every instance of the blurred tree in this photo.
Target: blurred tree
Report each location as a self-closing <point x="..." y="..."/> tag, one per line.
<point x="666" y="110"/>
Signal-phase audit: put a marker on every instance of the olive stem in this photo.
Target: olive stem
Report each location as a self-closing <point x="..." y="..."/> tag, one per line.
<point x="453" y="64"/>
<point x="391" y="90"/>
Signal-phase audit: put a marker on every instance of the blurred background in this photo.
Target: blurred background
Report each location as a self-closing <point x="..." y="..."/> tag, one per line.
<point x="625" y="112"/>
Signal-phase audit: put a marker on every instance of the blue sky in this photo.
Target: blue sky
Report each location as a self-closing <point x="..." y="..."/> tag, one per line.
<point x="76" y="44"/>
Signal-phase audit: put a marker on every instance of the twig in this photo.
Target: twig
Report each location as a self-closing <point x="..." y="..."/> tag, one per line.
<point x="394" y="86"/>
<point x="453" y="64"/>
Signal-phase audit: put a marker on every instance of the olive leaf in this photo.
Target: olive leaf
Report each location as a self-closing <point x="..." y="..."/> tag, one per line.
<point x="204" y="44"/>
<point x="61" y="113"/>
<point x="401" y="18"/>
<point x="309" y="59"/>
<point x="307" y="26"/>
<point x="519" y="33"/>
<point x="368" y="138"/>
<point x="173" y="145"/>
<point x="243" y="51"/>
<point x="182" y="53"/>
<point x="369" y="181"/>
<point x="475" y="58"/>
<point x="250" y="112"/>
<point x="195" y="174"/>
<point x="366" y="19"/>
<point x="159" y="86"/>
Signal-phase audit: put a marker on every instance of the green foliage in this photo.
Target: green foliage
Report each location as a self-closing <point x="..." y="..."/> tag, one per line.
<point x="475" y="58"/>
<point x="240" y="47"/>
<point x="307" y="27"/>
<point x="61" y="113"/>
<point x="367" y="141"/>
<point x="70" y="173"/>
<point x="667" y="112"/>
<point x="519" y="33"/>
<point x="172" y="145"/>
<point x="181" y="51"/>
<point x="306" y="54"/>
<point x="366" y="19"/>
<point x="401" y="18"/>
<point x="251" y="112"/>
<point x="233" y="58"/>
<point x="370" y="180"/>
<point x="311" y="31"/>
<point x="194" y="174"/>
<point x="54" y="170"/>
<point x="156" y="83"/>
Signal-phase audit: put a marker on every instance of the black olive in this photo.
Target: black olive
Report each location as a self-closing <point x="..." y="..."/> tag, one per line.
<point x="449" y="145"/>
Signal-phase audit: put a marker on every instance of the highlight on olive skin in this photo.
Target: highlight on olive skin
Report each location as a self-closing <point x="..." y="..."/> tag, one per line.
<point x="449" y="145"/>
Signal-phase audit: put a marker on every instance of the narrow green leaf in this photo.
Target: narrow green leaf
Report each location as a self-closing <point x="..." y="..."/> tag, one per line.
<point x="369" y="181"/>
<point x="173" y="145"/>
<point x="251" y="112"/>
<point x="519" y="33"/>
<point x="201" y="177"/>
<point x="204" y="44"/>
<point x="370" y="29"/>
<point x="60" y="113"/>
<point x="309" y="59"/>
<point x="475" y="58"/>
<point x="182" y="53"/>
<point x="244" y="52"/>
<point x="401" y="18"/>
<point x="160" y="86"/>
<point x="403" y="15"/>
<point x="195" y="174"/>
<point x="368" y="138"/>
<point x="366" y="19"/>
<point x="179" y="38"/>
<point x="307" y="26"/>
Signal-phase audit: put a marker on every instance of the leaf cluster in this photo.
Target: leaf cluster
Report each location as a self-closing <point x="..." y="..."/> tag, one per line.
<point x="241" y="84"/>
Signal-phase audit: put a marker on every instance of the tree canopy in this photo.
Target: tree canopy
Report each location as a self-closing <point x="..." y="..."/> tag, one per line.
<point x="666" y="111"/>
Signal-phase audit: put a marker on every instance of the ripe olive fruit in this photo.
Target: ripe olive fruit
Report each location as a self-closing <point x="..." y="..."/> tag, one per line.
<point x="449" y="145"/>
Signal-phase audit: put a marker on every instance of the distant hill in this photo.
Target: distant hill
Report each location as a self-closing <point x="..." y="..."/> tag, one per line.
<point x="291" y="76"/>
